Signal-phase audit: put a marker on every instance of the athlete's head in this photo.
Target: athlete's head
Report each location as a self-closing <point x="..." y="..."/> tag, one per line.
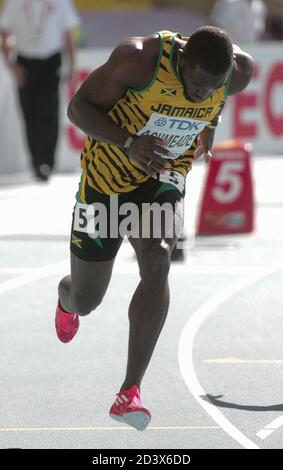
<point x="204" y="62"/>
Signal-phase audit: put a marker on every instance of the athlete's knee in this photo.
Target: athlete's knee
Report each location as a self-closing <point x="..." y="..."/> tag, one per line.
<point x="83" y="304"/>
<point x="155" y="263"/>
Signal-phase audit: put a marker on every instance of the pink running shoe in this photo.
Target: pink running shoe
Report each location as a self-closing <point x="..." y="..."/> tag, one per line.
<point x="128" y="409"/>
<point x="66" y="324"/>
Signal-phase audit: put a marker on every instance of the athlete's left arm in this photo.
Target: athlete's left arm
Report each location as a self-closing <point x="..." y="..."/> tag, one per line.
<point x="242" y="72"/>
<point x="204" y="144"/>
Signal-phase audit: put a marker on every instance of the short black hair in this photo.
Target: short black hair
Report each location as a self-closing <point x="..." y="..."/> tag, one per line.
<point x="211" y="48"/>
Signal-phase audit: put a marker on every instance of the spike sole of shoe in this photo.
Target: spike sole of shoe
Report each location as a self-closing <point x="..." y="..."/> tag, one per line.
<point x="136" y="419"/>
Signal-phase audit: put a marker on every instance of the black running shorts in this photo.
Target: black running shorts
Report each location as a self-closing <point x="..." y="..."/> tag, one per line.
<point x="98" y="227"/>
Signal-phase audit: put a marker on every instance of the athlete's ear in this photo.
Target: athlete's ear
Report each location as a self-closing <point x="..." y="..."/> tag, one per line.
<point x="236" y="50"/>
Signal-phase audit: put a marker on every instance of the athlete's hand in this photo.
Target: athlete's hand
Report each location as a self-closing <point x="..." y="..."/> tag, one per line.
<point x="205" y="142"/>
<point x="149" y="153"/>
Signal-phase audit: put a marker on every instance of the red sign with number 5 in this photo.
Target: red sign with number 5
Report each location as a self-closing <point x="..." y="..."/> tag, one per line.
<point x="227" y="204"/>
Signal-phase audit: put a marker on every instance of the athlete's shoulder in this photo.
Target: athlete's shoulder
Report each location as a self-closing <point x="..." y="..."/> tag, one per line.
<point x="137" y="58"/>
<point x="242" y="71"/>
<point x="137" y="51"/>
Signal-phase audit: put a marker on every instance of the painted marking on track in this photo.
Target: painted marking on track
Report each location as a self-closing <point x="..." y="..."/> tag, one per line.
<point x="270" y="428"/>
<point x="28" y="275"/>
<point x="33" y="275"/>
<point x="186" y="345"/>
<point x="112" y="428"/>
<point x="186" y="339"/>
<point x="237" y="360"/>
<point x="15" y="270"/>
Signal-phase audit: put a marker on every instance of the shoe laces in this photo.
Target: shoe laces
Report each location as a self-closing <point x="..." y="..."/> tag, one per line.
<point x="133" y="395"/>
<point x="67" y="319"/>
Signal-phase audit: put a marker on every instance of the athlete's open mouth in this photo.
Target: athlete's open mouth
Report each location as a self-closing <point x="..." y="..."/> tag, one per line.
<point x="196" y="99"/>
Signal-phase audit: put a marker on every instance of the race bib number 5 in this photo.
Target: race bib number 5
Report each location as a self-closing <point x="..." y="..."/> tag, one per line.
<point x="175" y="178"/>
<point x="84" y="218"/>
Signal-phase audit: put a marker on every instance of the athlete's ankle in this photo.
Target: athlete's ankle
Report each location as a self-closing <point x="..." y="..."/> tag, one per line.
<point x="129" y="385"/>
<point x="63" y="308"/>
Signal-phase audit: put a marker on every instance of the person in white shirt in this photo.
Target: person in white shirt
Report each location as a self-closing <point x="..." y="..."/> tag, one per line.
<point x="244" y="20"/>
<point x="34" y="34"/>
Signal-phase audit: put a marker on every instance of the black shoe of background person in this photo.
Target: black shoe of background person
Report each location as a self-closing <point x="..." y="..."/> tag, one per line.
<point x="42" y="172"/>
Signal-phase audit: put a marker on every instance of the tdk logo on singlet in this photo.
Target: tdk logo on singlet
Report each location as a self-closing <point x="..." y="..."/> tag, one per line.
<point x="178" y="124"/>
<point x="161" y="122"/>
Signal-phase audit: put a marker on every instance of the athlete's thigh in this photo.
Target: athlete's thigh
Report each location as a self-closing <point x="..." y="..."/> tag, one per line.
<point x="160" y="221"/>
<point x="152" y="233"/>
<point x="92" y="255"/>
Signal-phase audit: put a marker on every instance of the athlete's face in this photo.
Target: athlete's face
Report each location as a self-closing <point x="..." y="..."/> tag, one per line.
<point x="199" y="84"/>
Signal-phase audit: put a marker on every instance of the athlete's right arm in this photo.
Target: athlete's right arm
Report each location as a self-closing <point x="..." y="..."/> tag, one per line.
<point x="131" y="64"/>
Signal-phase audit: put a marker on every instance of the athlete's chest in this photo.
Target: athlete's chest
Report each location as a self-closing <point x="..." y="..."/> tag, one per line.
<point x="172" y="118"/>
<point x="168" y="99"/>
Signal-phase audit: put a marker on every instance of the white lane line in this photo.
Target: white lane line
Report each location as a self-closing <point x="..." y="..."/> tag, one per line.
<point x="28" y="275"/>
<point x="16" y="270"/>
<point x="33" y="275"/>
<point x="186" y="345"/>
<point x="109" y="428"/>
<point x="237" y="360"/>
<point x="270" y="428"/>
<point x="131" y="266"/>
